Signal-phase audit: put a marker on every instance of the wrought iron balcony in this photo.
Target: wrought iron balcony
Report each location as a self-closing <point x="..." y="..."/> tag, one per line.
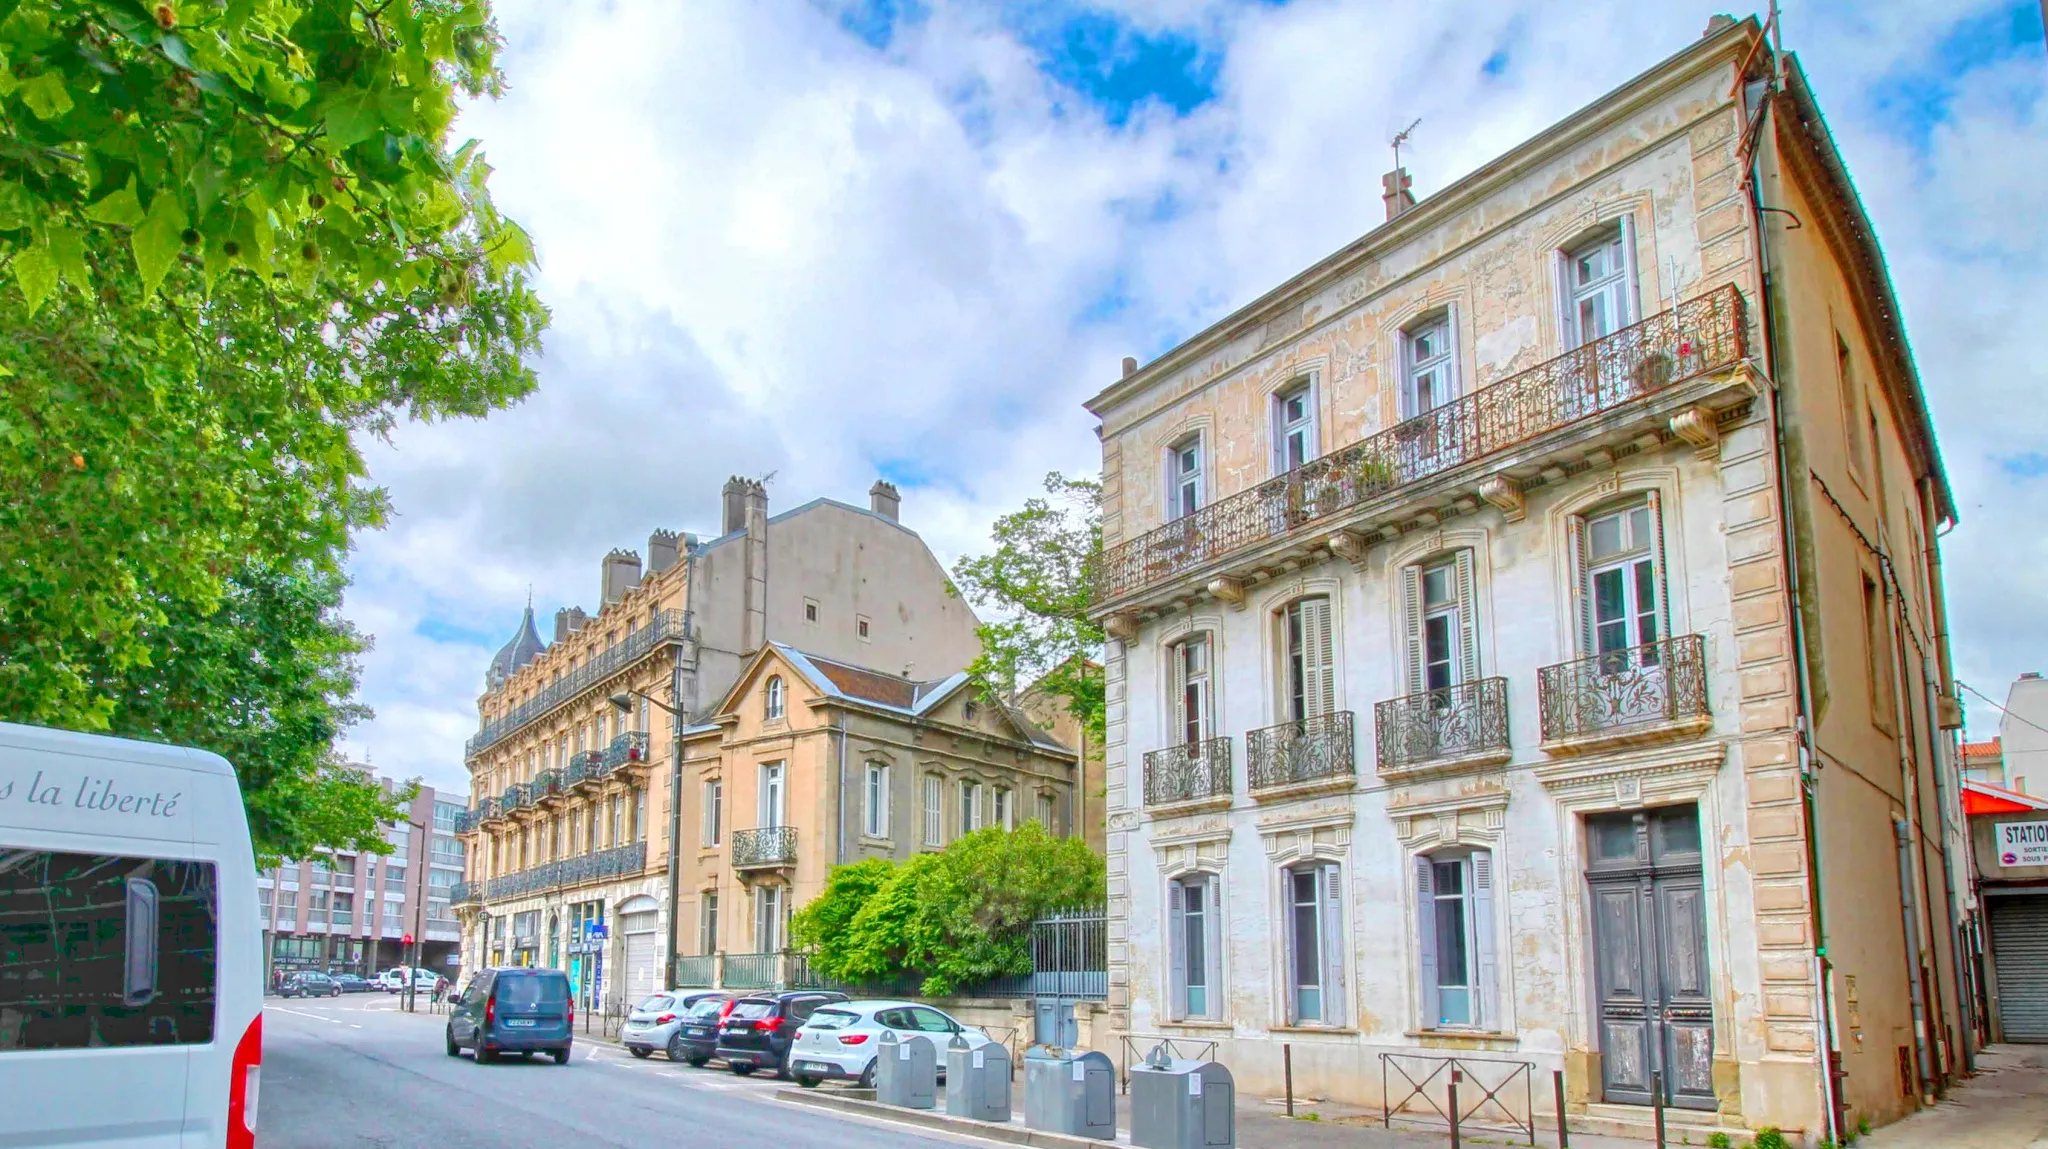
<point x="517" y="797"/>
<point x="1455" y="725"/>
<point x="489" y="810"/>
<point x="1696" y="338"/>
<point x="1296" y="752"/>
<point x="546" y="784"/>
<point x="612" y="863"/>
<point x="1626" y="694"/>
<point x="465" y="821"/>
<point x="1188" y="772"/>
<point x="668" y="627"/>
<point x="626" y="749"/>
<point x="763" y="848"/>
<point x="465" y="893"/>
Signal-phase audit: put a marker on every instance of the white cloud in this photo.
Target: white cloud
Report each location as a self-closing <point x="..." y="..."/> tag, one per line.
<point x="770" y="246"/>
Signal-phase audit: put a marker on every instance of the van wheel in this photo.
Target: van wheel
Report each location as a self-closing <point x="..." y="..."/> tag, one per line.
<point x="743" y="1070"/>
<point x="807" y="1081"/>
<point x="639" y="1050"/>
<point x="561" y="1057"/>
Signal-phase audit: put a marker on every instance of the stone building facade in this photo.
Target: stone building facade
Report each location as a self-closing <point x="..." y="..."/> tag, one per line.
<point x="570" y="816"/>
<point x="1526" y="638"/>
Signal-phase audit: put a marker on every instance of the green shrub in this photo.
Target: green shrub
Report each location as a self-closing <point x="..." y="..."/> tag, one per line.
<point x="1719" y="1141"/>
<point x="1769" y="1138"/>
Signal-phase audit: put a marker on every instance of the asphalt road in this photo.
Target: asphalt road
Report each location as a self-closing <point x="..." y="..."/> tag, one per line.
<point x="355" y="1073"/>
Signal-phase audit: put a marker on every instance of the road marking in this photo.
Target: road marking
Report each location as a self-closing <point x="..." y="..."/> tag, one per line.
<point x="303" y="1013"/>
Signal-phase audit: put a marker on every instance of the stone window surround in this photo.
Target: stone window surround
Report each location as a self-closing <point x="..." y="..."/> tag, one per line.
<point x="1475" y="820"/>
<point x="1203" y="848"/>
<point x="1305" y="376"/>
<point x="1568" y="581"/>
<point x="1292" y="837"/>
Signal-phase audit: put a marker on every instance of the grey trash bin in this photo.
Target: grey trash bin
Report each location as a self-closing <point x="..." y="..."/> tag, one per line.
<point x="906" y="1071"/>
<point x="977" y="1081"/>
<point x="1181" y="1104"/>
<point x="1070" y="1092"/>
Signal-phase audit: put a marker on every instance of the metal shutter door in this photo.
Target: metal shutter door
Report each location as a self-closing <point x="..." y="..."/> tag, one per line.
<point x="2019" y="944"/>
<point x="638" y="974"/>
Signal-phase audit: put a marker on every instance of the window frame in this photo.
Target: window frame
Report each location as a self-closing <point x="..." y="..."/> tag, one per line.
<point x="1620" y="286"/>
<point x="971" y="815"/>
<point x="1305" y="427"/>
<point x="1002" y="808"/>
<point x="1192" y="701"/>
<point x="1326" y="878"/>
<point x="934" y="810"/>
<point x="774" y="699"/>
<point x="1182" y="1003"/>
<point x="1187" y="491"/>
<point x="1628" y="562"/>
<point x="1308" y="658"/>
<point x="772" y="795"/>
<point x="875" y="800"/>
<point x="1441" y="367"/>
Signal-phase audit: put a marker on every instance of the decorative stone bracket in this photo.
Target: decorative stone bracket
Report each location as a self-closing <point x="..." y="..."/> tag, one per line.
<point x="1227" y="589"/>
<point x="1349" y="546"/>
<point x="1696" y="425"/>
<point x="1122" y="626"/>
<point x="1503" y="492"/>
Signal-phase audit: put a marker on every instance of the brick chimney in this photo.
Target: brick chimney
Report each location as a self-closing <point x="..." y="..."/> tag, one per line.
<point x="1130" y="366"/>
<point x="621" y="574"/>
<point x="663" y="547"/>
<point x="754" y="520"/>
<point x="1397" y="198"/>
<point x="884" y="499"/>
<point x="568" y="621"/>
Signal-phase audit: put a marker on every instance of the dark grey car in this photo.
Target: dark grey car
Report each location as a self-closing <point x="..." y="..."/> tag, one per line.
<point x="522" y="1011"/>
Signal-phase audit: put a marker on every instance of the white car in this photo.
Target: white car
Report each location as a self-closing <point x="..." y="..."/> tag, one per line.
<point x="838" y="1042"/>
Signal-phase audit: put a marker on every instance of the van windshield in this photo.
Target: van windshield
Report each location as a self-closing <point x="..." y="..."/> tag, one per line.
<point x="533" y="990"/>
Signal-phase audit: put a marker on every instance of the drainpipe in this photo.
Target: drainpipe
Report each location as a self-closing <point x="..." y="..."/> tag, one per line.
<point x="1824" y="1012"/>
<point x="1909" y="910"/>
<point x="1938" y="685"/>
<point x="839" y="800"/>
<point x="683" y="700"/>
<point x="1930" y="966"/>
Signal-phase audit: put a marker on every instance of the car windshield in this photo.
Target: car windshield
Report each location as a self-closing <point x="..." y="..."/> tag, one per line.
<point x="748" y="1010"/>
<point x="533" y="990"/>
<point x="658" y="1001"/>
<point x="706" y="1008"/>
<point x="831" y="1019"/>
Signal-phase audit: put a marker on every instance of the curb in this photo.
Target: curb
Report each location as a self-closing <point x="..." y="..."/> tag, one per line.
<point x="934" y="1119"/>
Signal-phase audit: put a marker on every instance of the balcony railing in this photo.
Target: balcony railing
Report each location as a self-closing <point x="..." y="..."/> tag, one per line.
<point x="768" y="846"/>
<point x="612" y="863"/>
<point x="488" y="810"/>
<point x="1454" y="722"/>
<point x="1648" y="685"/>
<point x="1188" y="772"/>
<point x="669" y="626"/>
<point x="465" y="893"/>
<point x="626" y="749"/>
<point x="697" y="970"/>
<point x="1296" y="752"/>
<point x="546" y="784"/>
<point x="752" y="971"/>
<point x="516" y="797"/>
<point x="1697" y="337"/>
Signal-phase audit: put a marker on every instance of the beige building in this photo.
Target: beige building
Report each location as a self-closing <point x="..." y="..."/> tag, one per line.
<point x="1527" y="640"/>
<point x="810" y="762"/>
<point x="570" y="817"/>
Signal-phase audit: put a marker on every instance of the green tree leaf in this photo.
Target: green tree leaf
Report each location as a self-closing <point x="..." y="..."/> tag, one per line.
<point x="45" y="95"/>
<point x="158" y="239"/>
<point x="120" y="207"/>
<point x="36" y="273"/>
<point x="67" y="250"/>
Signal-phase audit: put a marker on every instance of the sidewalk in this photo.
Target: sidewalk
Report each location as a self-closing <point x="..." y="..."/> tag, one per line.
<point x="2004" y="1107"/>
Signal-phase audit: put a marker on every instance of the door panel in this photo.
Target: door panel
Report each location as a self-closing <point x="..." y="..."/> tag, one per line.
<point x="1625" y="1010"/>
<point x="1688" y="1010"/>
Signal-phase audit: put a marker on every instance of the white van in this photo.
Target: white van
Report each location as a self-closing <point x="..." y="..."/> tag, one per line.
<point x="131" y="974"/>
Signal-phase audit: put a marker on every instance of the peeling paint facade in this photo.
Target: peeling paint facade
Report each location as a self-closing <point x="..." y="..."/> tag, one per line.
<point x="1458" y="667"/>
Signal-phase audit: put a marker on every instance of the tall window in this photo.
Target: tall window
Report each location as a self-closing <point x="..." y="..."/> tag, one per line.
<point x="768" y="904"/>
<point x="1306" y="649"/>
<point x="1852" y="415"/>
<point x="771" y="810"/>
<point x="1195" y="938"/>
<point x="1442" y="616"/>
<point x="707" y="923"/>
<point x="970" y="806"/>
<point x="1623" y="597"/>
<point x="934" y="812"/>
<point x="590" y="829"/>
<point x="1877" y="645"/>
<point x="1184" y="478"/>
<point x="1047" y="811"/>
<point x="1454" y="929"/>
<point x="618" y="820"/>
<point x="772" y="707"/>
<point x="1601" y="297"/>
<point x="1294" y="428"/>
<point x="1430" y="380"/>
<point x="1192" y="701"/>
<point x="1003" y="813"/>
<point x="1315" y="943"/>
<point x="639" y="813"/>
<point x="714" y="811"/>
<point x="877" y="822"/>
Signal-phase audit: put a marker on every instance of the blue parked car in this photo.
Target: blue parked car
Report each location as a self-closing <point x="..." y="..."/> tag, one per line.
<point x="522" y="1011"/>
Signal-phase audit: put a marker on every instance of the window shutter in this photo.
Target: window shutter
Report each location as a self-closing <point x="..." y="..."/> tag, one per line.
<point x="1177" y="945"/>
<point x="1178" y="653"/>
<point x="1468" y="619"/>
<point x="1425" y="939"/>
<point x="1567" y="315"/>
<point x="1456" y="344"/>
<point x="1331" y="887"/>
<point x="1663" y="579"/>
<point x="1411" y="616"/>
<point x="1319" y="686"/>
<point x="1487" y="963"/>
<point x="1632" y="287"/>
<point x="1582" y="589"/>
<point x="1212" y="950"/>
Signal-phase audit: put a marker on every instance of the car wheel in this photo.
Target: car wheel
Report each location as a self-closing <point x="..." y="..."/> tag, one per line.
<point x="526" y="1055"/>
<point x="743" y="1070"/>
<point x="867" y="1076"/>
<point x="454" y="1050"/>
<point x="484" y="1056"/>
<point x="639" y="1050"/>
<point x="675" y="1048"/>
<point x="561" y="1057"/>
<point x="807" y="1081"/>
<point x="699" y="1062"/>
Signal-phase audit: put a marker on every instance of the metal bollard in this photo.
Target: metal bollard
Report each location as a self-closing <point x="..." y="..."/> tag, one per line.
<point x="1564" y="1136"/>
<point x="1287" y="1073"/>
<point x="1456" y="1076"/>
<point x="1657" y="1104"/>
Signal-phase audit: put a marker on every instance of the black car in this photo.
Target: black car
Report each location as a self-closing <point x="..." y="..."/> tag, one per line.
<point x="696" y="1039"/>
<point x="350" y="983"/>
<point x="758" y="1032"/>
<point x="309" y="985"/>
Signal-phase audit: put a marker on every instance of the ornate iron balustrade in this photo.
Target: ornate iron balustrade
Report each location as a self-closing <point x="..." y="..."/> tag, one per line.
<point x="517" y="797"/>
<point x="753" y="971"/>
<point x="465" y="893"/>
<point x="669" y="626"/>
<point x="1470" y="718"/>
<point x="546" y="784"/>
<point x="1187" y="772"/>
<point x="1319" y="747"/>
<point x="626" y="748"/>
<point x="489" y="810"/>
<point x="465" y="821"/>
<point x="612" y="863"/>
<point x="1696" y="337"/>
<point x="578" y="770"/>
<point x="768" y="846"/>
<point x="700" y="970"/>
<point x="1657" y="682"/>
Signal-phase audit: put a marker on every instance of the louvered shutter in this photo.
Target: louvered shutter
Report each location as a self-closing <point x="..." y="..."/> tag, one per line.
<point x="1177" y="946"/>
<point x="1179" y="657"/>
<point x="1483" y="948"/>
<point x="1632" y="288"/>
<point x="1411" y="621"/>
<point x="1212" y="949"/>
<point x="1582" y="586"/>
<point x="1425" y="936"/>
<point x="1567" y="315"/>
<point x="1330" y="886"/>
<point x="1663" y="578"/>
<point x="1319" y="684"/>
<point x="1468" y="619"/>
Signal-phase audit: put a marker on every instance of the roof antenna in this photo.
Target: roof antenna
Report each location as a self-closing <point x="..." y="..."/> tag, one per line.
<point x="1401" y="137"/>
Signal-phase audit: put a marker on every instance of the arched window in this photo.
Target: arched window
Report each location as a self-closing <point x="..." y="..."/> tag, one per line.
<point x="1195" y="942"/>
<point x="772" y="708"/>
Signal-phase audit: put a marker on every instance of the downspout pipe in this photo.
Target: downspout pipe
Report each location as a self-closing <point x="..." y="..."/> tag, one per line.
<point x="1909" y="911"/>
<point x="681" y="700"/>
<point x="1913" y="892"/>
<point x="1938" y="687"/>
<point x="839" y="800"/>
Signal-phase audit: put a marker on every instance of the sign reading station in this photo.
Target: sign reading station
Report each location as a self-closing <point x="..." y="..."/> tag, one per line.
<point x="2022" y="844"/>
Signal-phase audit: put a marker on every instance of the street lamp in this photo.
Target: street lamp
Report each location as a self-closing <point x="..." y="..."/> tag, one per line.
<point x="624" y="701"/>
<point x="415" y="870"/>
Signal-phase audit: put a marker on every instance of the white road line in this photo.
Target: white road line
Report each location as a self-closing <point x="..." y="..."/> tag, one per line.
<point x="303" y="1013"/>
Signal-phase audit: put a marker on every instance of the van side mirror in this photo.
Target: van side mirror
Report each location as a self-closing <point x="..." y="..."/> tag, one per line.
<point x="139" y="983"/>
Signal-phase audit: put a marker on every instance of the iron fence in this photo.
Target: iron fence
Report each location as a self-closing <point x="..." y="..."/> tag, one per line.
<point x="1661" y="681"/>
<point x="1187" y="772"/>
<point x="1696" y="337"/>
<point x="516" y="797"/>
<point x="1133" y="1048"/>
<point x="625" y="749"/>
<point x="1070" y="954"/>
<point x="1476" y="1091"/>
<point x="753" y="971"/>
<point x="669" y="626"/>
<point x="699" y="971"/>
<point x="620" y="860"/>
<point x="546" y="784"/>
<point x="1314" y="748"/>
<point x="767" y="846"/>
<point x="463" y="893"/>
<point x="1470" y="718"/>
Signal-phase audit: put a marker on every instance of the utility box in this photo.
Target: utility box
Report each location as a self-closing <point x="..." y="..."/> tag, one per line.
<point x="1181" y="1104"/>
<point x="1069" y="1092"/>
<point x="977" y="1081"/>
<point x="906" y="1071"/>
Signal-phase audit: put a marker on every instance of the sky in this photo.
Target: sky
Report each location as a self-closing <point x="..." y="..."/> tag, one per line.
<point x="842" y="239"/>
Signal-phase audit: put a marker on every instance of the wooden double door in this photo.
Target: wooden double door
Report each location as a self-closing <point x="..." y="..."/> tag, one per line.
<point x="1655" y="1012"/>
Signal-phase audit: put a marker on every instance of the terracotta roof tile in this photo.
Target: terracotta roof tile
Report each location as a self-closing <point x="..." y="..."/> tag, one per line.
<point x="873" y="686"/>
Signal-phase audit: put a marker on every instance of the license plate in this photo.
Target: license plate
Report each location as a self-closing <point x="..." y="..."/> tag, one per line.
<point x="699" y="1031"/>
<point x="519" y="1023"/>
<point x="813" y="1066"/>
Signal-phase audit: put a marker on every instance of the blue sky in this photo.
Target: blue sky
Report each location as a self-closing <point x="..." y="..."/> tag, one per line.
<point x="842" y="239"/>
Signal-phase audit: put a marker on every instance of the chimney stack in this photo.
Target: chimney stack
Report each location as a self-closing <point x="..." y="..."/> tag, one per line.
<point x="884" y="499"/>
<point x="662" y="550"/>
<point x="1398" y="198"/>
<point x="735" y="506"/>
<point x="1130" y="366"/>
<point x="568" y="621"/>
<point x="621" y="574"/>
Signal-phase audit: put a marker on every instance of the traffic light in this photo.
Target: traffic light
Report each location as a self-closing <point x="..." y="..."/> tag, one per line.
<point x="406" y="940"/>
